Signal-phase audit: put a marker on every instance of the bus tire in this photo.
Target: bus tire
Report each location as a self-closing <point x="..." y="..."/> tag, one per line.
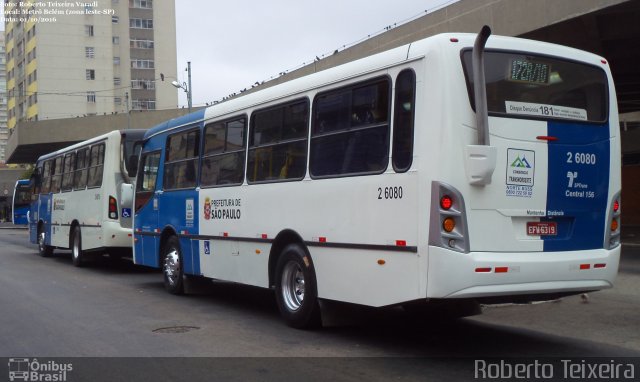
<point x="77" y="256"/>
<point x="43" y="249"/>
<point x="296" y="289"/>
<point x="172" y="266"/>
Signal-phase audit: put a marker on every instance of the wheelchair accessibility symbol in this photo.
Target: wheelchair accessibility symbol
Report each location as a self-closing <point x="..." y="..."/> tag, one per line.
<point x="126" y="212"/>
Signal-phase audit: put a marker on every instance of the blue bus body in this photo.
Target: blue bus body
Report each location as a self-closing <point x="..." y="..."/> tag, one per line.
<point x="21" y="202"/>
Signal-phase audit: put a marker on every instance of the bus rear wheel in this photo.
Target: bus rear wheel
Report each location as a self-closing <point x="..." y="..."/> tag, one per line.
<point x="172" y="267"/>
<point x="77" y="256"/>
<point x="43" y="249"/>
<point x="296" y="288"/>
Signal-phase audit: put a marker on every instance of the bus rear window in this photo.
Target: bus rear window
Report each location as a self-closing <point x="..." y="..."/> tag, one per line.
<point x="535" y="86"/>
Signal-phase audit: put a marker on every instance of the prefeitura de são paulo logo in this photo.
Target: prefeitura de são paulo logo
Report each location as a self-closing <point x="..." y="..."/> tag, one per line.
<point x="25" y="369"/>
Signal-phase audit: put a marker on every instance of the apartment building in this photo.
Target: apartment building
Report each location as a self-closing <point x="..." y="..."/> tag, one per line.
<point x="4" y="132"/>
<point x="68" y="59"/>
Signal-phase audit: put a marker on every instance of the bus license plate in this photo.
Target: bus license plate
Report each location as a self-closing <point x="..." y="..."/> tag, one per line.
<point x="542" y="228"/>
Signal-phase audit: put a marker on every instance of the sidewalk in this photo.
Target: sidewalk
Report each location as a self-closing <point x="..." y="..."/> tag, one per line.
<point x="9" y="225"/>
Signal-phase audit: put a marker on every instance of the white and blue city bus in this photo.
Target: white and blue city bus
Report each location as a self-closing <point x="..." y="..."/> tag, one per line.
<point x="83" y="197"/>
<point x="21" y="202"/>
<point x="411" y="177"/>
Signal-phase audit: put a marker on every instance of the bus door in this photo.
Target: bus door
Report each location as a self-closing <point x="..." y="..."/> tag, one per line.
<point x="548" y="119"/>
<point x="146" y="235"/>
<point x="179" y="201"/>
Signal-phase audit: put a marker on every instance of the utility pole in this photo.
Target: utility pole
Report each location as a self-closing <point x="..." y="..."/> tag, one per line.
<point x="186" y="86"/>
<point x="189" y="92"/>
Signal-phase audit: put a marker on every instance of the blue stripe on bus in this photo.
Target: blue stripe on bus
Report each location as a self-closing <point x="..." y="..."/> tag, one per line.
<point x="577" y="191"/>
<point x="179" y="121"/>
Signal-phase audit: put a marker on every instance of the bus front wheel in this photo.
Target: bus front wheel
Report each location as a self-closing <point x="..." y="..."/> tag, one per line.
<point x="296" y="288"/>
<point x="172" y="268"/>
<point x="43" y="249"/>
<point x="77" y="256"/>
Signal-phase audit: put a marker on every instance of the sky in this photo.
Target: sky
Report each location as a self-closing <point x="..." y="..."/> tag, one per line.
<point x="233" y="44"/>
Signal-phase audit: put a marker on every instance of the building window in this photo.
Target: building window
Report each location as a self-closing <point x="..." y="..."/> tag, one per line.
<point x="143" y="4"/>
<point x="143" y="84"/>
<point x="32" y="77"/>
<point x="115" y="19"/>
<point x="91" y="97"/>
<point x="88" y="30"/>
<point x="89" y="52"/>
<point x="141" y="23"/>
<point x="143" y="104"/>
<point x="142" y="64"/>
<point x="115" y="40"/>
<point x="141" y="44"/>
<point x="117" y="101"/>
<point x="31" y="33"/>
<point x="117" y="80"/>
<point x="91" y="74"/>
<point x="31" y="55"/>
<point x="116" y="61"/>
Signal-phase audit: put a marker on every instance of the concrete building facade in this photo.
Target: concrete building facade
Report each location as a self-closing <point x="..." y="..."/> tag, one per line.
<point x="4" y="132"/>
<point x="68" y="59"/>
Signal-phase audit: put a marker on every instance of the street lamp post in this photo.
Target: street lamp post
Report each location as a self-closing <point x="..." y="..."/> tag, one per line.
<point x="186" y="86"/>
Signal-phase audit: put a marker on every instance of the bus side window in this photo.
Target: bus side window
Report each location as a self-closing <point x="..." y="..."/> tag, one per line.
<point x="147" y="179"/>
<point x="403" y="120"/>
<point x="67" y="172"/>
<point x="96" y="165"/>
<point x="224" y="148"/>
<point x="36" y="180"/>
<point x="46" y="177"/>
<point x="181" y="160"/>
<point x="80" y="174"/>
<point x="278" y="143"/>
<point x="358" y="146"/>
<point x="56" y="175"/>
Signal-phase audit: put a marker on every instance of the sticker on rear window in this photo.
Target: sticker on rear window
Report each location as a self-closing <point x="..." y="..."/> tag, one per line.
<point x="520" y="172"/>
<point x="545" y="111"/>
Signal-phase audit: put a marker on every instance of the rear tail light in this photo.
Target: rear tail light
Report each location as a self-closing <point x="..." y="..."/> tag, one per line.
<point x="612" y="235"/>
<point x="448" y="225"/>
<point x="446" y="202"/>
<point x="113" y="208"/>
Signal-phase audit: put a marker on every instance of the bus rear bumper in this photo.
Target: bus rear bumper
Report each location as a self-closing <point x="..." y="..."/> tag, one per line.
<point x="513" y="276"/>
<point x="116" y="236"/>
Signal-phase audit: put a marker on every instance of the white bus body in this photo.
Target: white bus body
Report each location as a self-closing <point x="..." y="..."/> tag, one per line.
<point x="84" y="197"/>
<point x="525" y="208"/>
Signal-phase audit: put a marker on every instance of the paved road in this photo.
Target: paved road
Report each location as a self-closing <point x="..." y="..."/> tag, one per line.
<point x="115" y="309"/>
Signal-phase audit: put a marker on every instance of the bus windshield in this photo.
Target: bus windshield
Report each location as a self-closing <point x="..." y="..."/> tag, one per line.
<point x="527" y="85"/>
<point x="22" y="196"/>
